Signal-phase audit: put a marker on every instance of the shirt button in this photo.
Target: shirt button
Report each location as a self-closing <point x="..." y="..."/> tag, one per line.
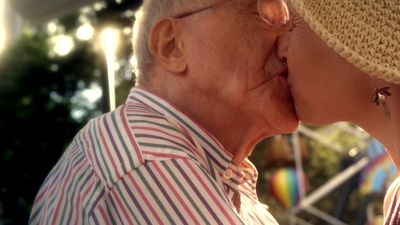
<point x="247" y="176"/>
<point x="228" y="174"/>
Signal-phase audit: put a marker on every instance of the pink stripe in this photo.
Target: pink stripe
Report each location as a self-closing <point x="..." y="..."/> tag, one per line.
<point x="188" y="135"/>
<point x="87" y="191"/>
<point x="110" y="157"/>
<point x="74" y="171"/>
<point x="207" y="188"/>
<point x="209" y="135"/>
<point x="61" y="200"/>
<point x="121" y="206"/>
<point x="144" y="197"/>
<point x="189" y="145"/>
<point x="195" y="150"/>
<point x="145" y="115"/>
<point x="103" y="215"/>
<point x="139" y="110"/>
<point x="392" y="211"/>
<point x="50" y="194"/>
<point x="128" y="132"/>
<point x="177" y="194"/>
<point x="45" y="190"/>
<point x="163" y="155"/>
<point x="138" y="105"/>
<point x="77" y="196"/>
<point x="41" y="194"/>
<point x="75" y="208"/>
<point x="145" y="111"/>
<point x="88" y="148"/>
<point x="78" y="202"/>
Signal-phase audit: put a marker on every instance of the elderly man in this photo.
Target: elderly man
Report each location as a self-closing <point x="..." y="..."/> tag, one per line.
<point x="211" y="86"/>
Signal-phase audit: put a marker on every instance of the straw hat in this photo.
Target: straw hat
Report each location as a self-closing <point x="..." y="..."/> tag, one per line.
<point x="365" y="32"/>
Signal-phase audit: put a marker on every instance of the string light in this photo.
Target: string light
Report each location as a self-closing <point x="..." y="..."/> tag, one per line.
<point x="3" y="33"/>
<point x="109" y="41"/>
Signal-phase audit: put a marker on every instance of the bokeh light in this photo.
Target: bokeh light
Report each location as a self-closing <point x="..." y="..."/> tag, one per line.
<point x="85" y="32"/>
<point x="52" y="28"/>
<point x="62" y="44"/>
<point x="93" y="94"/>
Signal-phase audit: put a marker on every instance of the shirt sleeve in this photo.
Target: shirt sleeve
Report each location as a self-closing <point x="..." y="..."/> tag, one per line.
<point x="175" y="191"/>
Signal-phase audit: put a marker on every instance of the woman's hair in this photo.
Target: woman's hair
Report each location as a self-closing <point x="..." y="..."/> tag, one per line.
<point x="149" y="14"/>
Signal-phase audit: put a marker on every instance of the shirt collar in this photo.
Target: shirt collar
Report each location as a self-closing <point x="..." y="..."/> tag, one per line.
<point x="214" y="153"/>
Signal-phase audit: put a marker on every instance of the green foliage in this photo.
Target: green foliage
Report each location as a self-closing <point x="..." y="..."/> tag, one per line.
<point x="35" y="116"/>
<point x="322" y="165"/>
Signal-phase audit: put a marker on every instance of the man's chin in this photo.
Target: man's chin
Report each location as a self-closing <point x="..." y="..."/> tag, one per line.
<point x="293" y="120"/>
<point x="293" y="125"/>
<point x="287" y="125"/>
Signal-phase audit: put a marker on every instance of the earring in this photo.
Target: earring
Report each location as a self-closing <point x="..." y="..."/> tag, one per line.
<point x="380" y="96"/>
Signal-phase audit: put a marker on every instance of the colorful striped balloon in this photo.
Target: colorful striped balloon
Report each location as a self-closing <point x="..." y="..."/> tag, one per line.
<point x="378" y="173"/>
<point x="285" y="186"/>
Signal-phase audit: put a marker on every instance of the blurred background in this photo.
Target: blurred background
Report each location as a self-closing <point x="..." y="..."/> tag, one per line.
<point x="63" y="62"/>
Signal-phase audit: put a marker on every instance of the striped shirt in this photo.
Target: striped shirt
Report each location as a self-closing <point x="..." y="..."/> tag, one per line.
<point x="147" y="163"/>
<point x="392" y="215"/>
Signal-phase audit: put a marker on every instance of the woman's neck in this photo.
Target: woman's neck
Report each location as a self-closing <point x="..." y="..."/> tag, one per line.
<point x="386" y="128"/>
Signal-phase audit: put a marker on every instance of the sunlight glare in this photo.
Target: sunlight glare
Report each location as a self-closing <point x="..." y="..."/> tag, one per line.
<point x="62" y="44"/>
<point x="3" y="33"/>
<point x="109" y="41"/>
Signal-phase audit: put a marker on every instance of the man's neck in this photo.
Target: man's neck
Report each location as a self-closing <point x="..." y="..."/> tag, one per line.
<point x="237" y="135"/>
<point x="230" y="124"/>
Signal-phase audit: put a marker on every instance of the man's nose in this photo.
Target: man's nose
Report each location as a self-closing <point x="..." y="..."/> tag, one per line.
<point x="283" y="47"/>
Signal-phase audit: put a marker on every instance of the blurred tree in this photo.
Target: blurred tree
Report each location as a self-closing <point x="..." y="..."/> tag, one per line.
<point x="35" y="116"/>
<point x="44" y="102"/>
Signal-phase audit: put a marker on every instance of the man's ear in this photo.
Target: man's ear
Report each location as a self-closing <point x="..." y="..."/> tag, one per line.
<point x="166" y="45"/>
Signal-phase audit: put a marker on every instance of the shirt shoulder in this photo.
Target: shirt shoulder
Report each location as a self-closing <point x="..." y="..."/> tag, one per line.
<point x="110" y="146"/>
<point x="72" y="188"/>
<point x="123" y="140"/>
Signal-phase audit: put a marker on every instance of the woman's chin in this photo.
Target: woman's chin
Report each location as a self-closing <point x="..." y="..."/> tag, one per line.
<point x="313" y="117"/>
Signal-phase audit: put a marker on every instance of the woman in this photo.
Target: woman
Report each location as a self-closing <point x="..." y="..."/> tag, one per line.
<point x="344" y="65"/>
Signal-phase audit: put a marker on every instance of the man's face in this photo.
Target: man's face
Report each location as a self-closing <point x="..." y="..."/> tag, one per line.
<point x="234" y="57"/>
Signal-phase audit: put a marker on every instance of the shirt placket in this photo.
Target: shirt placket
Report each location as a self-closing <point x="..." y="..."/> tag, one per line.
<point x="232" y="178"/>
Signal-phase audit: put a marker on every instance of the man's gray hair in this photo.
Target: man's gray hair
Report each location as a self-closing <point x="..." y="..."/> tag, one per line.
<point x="149" y="14"/>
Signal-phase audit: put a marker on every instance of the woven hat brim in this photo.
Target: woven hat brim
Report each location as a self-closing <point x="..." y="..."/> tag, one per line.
<point x="384" y="64"/>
